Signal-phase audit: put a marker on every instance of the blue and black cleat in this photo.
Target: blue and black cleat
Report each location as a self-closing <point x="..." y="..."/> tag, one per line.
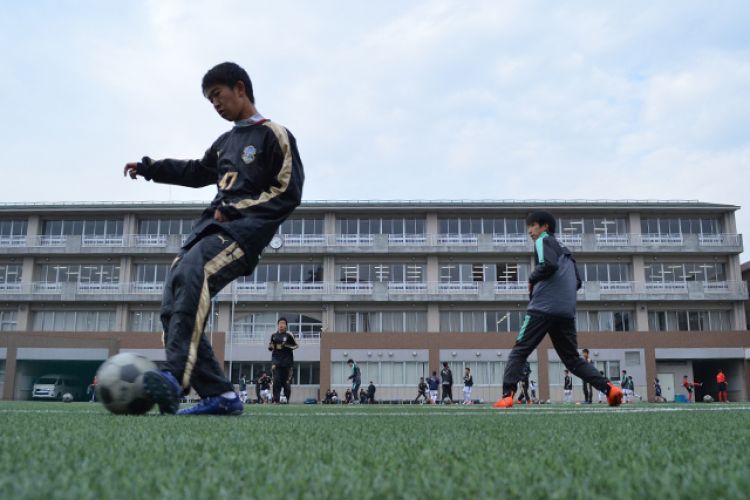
<point x="163" y="389"/>
<point x="215" y="405"/>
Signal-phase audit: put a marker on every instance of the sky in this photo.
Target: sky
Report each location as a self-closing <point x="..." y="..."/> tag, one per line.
<point x="388" y="100"/>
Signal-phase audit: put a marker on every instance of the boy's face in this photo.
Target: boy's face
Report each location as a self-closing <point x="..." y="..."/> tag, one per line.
<point x="282" y="326"/>
<point x="228" y="101"/>
<point x="535" y="230"/>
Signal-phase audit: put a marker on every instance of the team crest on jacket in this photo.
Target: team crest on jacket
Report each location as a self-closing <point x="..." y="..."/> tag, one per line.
<point x="248" y="154"/>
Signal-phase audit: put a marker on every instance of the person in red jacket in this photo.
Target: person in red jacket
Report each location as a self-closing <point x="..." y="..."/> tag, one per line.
<point x="689" y="386"/>
<point x="721" y="381"/>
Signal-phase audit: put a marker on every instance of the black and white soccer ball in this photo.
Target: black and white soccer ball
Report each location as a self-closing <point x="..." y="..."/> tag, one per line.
<point x="67" y="398"/>
<point x="120" y="384"/>
<point x="708" y="399"/>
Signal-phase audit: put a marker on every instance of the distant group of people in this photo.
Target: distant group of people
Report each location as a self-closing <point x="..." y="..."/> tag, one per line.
<point x="429" y="391"/>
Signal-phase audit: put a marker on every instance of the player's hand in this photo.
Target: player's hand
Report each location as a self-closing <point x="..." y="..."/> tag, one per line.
<point x="130" y="169"/>
<point x="219" y="217"/>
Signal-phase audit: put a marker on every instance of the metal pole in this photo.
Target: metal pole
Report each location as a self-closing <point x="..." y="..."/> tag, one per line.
<point x="231" y="331"/>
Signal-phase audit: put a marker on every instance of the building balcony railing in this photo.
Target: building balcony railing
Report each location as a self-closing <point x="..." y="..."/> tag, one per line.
<point x="262" y="337"/>
<point x="379" y="291"/>
<point x="296" y="243"/>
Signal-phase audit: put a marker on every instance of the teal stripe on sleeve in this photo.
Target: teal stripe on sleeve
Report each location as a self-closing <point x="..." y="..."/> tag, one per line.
<point x="540" y="247"/>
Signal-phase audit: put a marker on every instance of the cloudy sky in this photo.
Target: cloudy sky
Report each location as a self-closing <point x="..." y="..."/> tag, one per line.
<point x="388" y="99"/>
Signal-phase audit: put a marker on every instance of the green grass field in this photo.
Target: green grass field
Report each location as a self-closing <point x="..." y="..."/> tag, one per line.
<point x="78" y="450"/>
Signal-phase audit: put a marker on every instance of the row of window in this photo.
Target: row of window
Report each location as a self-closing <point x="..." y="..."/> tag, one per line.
<point x="309" y="325"/>
<point x="662" y="272"/>
<point x="381" y="225"/>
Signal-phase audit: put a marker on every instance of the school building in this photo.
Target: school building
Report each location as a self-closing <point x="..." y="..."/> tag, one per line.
<point x="399" y="286"/>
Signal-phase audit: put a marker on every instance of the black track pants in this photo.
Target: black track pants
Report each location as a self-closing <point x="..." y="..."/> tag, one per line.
<point x="282" y="378"/>
<point x="562" y="331"/>
<point x="195" y="276"/>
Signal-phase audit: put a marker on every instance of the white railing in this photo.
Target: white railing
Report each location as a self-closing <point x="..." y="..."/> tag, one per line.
<point x="571" y="240"/>
<point x="149" y="240"/>
<point x="103" y="241"/>
<point x="10" y="287"/>
<point x="354" y="288"/>
<point x="406" y="287"/>
<point x="52" y="241"/>
<point x="662" y="239"/>
<point x="665" y="287"/>
<point x="461" y="287"/>
<point x="504" y="287"/>
<point x="457" y="239"/>
<point x="46" y="287"/>
<point x="262" y="337"/>
<point x="251" y="288"/>
<point x="616" y="286"/>
<point x="13" y="241"/>
<point x="293" y="287"/>
<point x="148" y="288"/>
<point x="354" y="239"/>
<point x="301" y="240"/>
<point x="89" y="288"/>
<point x="612" y="240"/>
<point x="510" y="239"/>
<point x="719" y="286"/>
<point x="719" y="240"/>
<point x="407" y="239"/>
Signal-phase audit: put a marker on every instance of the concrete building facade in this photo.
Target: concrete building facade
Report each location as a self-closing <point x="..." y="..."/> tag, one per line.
<point x="398" y="286"/>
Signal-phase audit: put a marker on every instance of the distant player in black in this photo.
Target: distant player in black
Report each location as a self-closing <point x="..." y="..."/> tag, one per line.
<point x="355" y="377"/>
<point x="568" y="387"/>
<point x="259" y="176"/>
<point x="446" y="377"/>
<point x="421" y="390"/>
<point x="282" y="346"/>
<point x="588" y="391"/>
<point x="524" y="392"/>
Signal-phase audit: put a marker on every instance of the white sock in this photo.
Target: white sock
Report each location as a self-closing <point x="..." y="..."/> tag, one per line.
<point x="229" y="395"/>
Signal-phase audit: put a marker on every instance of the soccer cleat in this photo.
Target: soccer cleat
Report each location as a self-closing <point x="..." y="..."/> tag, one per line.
<point x="614" y="397"/>
<point x="215" y="405"/>
<point x="163" y="389"/>
<point x="505" y="402"/>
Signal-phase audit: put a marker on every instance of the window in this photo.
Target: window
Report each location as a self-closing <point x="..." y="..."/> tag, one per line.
<point x="78" y="273"/>
<point x="359" y="273"/>
<point x="82" y="227"/>
<point x="394" y="226"/>
<point x="261" y="325"/>
<point x="602" y="226"/>
<point x="698" y="320"/>
<point x="151" y="273"/>
<point x="673" y="272"/>
<point x="604" y="321"/>
<point x="12" y="232"/>
<point x="481" y="321"/>
<point x="294" y="273"/>
<point x="632" y="358"/>
<point x="10" y="274"/>
<point x="302" y="226"/>
<point x="8" y="321"/>
<point x="511" y="272"/>
<point x="154" y="227"/>
<point x="481" y="225"/>
<point x="381" y="373"/>
<point x="604" y="271"/>
<point x="305" y="373"/>
<point x="684" y="225"/>
<point x="74" y="321"/>
<point x="144" y="321"/>
<point x="381" y="321"/>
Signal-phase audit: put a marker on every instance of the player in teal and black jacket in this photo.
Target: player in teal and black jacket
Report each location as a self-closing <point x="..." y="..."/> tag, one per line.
<point x="552" y="309"/>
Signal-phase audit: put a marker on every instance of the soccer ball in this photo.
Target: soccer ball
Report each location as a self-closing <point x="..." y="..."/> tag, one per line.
<point x="67" y="398"/>
<point x="708" y="399"/>
<point x="120" y="384"/>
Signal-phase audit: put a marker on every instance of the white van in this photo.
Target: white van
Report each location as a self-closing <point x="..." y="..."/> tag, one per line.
<point x="54" y="386"/>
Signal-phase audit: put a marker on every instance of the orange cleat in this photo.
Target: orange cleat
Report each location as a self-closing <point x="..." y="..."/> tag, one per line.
<point x="614" y="398"/>
<point x="505" y="402"/>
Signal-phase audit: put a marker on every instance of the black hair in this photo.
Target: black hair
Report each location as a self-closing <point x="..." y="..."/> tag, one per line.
<point x="228" y="73"/>
<point x="350" y="360"/>
<point x="541" y="217"/>
<point x="445" y="363"/>
<point x="624" y="371"/>
<point x="434" y="373"/>
<point x="282" y="319"/>
<point x="585" y="350"/>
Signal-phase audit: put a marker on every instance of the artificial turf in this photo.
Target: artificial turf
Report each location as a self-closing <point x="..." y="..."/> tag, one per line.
<point x="78" y="450"/>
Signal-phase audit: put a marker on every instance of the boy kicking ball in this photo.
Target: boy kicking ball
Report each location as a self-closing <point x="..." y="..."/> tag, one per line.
<point x="552" y="309"/>
<point x="259" y="176"/>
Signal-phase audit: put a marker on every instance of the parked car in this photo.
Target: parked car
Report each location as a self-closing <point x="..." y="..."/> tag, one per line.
<point x="54" y="386"/>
